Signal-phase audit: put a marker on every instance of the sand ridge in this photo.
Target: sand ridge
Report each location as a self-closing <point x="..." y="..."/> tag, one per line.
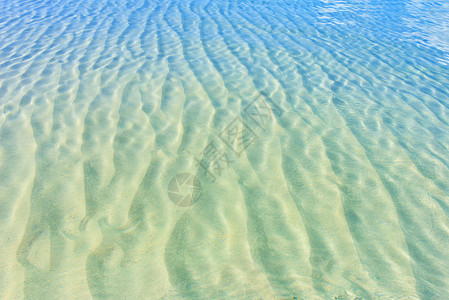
<point x="320" y="148"/>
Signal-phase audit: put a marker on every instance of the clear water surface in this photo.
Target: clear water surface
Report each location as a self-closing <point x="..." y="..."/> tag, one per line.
<point x="224" y="149"/>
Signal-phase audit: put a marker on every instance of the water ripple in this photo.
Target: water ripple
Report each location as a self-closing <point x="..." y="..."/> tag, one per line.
<point x="317" y="133"/>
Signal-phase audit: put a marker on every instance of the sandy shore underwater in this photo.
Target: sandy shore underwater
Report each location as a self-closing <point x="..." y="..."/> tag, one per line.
<point x="224" y="149"/>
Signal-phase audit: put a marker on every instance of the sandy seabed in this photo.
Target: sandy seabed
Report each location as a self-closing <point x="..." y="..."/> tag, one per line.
<point x="221" y="149"/>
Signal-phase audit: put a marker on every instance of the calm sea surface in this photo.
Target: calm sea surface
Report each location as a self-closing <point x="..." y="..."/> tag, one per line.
<point x="224" y="149"/>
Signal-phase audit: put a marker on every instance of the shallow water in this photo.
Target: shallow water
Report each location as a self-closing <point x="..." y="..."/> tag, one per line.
<point x="224" y="149"/>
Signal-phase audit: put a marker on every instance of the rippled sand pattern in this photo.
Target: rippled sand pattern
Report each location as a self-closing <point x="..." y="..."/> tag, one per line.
<point x="329" y="130"/>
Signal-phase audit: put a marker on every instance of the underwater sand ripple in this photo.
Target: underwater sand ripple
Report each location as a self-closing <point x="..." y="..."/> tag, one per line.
<point x="343" y="192"/>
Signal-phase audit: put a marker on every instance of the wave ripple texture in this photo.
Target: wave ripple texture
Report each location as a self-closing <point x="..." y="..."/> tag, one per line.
<point x="223" y="149"/>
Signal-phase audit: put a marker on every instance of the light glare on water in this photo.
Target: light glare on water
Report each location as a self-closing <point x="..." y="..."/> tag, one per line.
<point x="224" y="149"/>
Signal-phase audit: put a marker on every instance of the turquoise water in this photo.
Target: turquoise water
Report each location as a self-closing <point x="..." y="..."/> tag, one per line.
<point x="224" y="149"/>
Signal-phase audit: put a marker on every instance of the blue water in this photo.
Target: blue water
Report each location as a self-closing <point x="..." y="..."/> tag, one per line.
<point x="224" y="149"/>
